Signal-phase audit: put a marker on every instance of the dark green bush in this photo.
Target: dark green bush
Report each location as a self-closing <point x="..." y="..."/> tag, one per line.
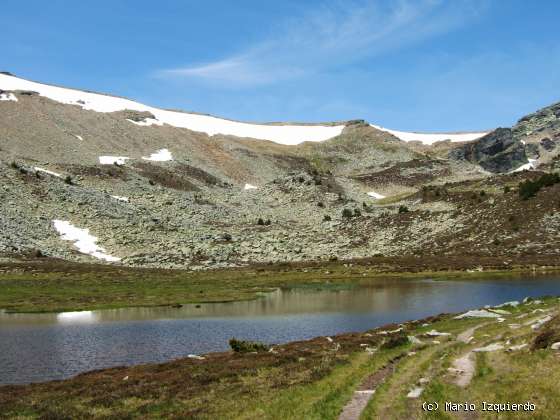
<point x="260" y="222"/>
<point x="242" y="346"/>
<point x="347" y="213"/>
<point x="403" y="209"/>
<point x="326" y="218"/>
<point x="528" y="188"/>
<point x="68" y="180"/>
<point x="395" y="340"/>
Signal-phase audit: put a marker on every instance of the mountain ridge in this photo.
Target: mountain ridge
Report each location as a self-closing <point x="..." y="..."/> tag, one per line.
<point x="153" y="195"/>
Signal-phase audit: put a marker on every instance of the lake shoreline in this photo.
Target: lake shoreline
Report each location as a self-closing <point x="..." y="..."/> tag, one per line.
<point x="66" y="287"/>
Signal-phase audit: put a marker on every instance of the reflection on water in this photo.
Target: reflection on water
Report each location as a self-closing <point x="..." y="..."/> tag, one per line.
<point x="37" y="347"/>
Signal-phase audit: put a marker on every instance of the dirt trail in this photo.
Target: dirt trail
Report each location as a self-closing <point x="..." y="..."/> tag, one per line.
<point x="365" y="391"/>
<point x="463" y="367"/>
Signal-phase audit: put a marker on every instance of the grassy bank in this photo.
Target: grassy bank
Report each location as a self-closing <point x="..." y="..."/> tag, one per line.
<point x="319" y="377"/>
<point x="51" y="285"/>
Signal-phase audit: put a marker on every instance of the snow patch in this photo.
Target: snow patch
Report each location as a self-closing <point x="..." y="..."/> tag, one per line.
<point x="111" y="160"/>
<point x="8" y="96"/>
<point x="120" y="198"/>
<point x="79" y="137"/>
<point x="85" y="242"/>
<point x="431" y="138"/>
<point x="375" y="195"/>
<point x="284" y="134"/>
<point x="162" y="155"/>
<point x="526" y="167"/>
<point x="249" y="187"/>
<point x="46" y="171"/>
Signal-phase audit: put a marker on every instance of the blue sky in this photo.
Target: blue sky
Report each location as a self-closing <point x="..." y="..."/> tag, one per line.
<point x="425" y="65"/>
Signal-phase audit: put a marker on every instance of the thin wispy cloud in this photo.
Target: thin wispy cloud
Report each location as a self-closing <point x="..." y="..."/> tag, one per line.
<point x="334" y="35"/>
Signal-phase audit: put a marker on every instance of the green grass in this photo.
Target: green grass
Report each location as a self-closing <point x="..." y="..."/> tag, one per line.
<point x="71" y="287"/>
<point x="326" y="398"/>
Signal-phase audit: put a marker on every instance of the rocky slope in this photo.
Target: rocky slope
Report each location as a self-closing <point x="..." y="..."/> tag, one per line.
<point x="174" y="197"/>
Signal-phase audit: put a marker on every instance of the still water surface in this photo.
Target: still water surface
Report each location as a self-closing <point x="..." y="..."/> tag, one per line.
<point x="40" y="347"/>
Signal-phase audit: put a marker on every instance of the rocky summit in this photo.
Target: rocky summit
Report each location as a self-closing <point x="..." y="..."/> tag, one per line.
<point x="90" y="177"/>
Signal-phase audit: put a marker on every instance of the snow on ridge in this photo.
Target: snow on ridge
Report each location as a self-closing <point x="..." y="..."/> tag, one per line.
<point x="8" y="96"/>
<point x="162" y="155"/>
<point x="47" y="171"/>
<point x="249" y="187"/>
<point x="110" y="160"/>
<point x="79" y="137"/>
<point x="82" y="239"/>
<point x="375" y="195"/>
<point x="431" y="138"/>
<point x="283" y="134"/>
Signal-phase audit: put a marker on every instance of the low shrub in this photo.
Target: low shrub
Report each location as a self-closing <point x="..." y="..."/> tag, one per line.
<point x="395" y="340"/>
<point x="528" y="188"/>
<point x="403" y="209"/>
<point x="347" y="213"/>
<point x="243" y="346"/>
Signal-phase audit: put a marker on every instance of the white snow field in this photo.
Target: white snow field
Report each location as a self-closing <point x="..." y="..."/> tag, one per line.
<point x="283" y="134"/>
<point x="162" y="155"/>
<point x="431" y="138"/>
<point x="249" y="187"/>
<point x="85" y="242"/>
<point x="110" y="160"/>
